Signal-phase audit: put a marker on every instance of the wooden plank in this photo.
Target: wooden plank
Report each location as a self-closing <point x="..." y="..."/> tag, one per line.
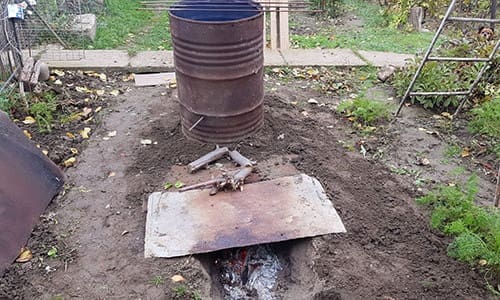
<point x="284" y="35"/>
<point x="153" y="79"/>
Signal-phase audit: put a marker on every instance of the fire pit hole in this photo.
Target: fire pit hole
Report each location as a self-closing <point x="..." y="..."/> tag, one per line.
<point x="271" y="271"/>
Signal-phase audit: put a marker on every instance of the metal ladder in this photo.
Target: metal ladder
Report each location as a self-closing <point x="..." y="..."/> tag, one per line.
<point x="465" y="94"/>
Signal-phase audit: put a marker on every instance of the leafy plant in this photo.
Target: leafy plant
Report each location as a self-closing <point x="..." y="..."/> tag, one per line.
<point x="486" y="121"/>
<point x="476" y="229"/>
<point x="365" y="111"/>
<point x="331" y="7"/>
<point x="5" y="104"/>
<point x="452" y="151"/>
<point x="52" y="253"/>
<point x="43" y="112"/>
<point x="157" y="280"/>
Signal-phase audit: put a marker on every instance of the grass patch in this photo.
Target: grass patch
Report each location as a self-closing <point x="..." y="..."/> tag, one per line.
<point x="157" y="36"/>
<point x="120" y="19"/>
<point x="367" y="112"/>
<point x="375" y="35"/>
<point x="476" y="230"/>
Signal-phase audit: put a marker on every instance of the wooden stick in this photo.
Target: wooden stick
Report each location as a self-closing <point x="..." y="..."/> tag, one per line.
<point x="202" y="185"/>
<point x="497" y="193"/>
<point x="240" y="159"/>
<point x="207" y="158"/>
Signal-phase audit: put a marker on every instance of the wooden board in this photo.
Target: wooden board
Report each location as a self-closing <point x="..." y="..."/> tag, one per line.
<point x="153" y="79"/>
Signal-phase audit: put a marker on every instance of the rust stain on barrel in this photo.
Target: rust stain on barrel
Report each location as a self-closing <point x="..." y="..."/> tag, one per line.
<point x="219" y="67"/>
<point x="28" y="181"/>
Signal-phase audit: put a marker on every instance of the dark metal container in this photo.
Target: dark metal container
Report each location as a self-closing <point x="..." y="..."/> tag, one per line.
<point x="218" y="55"/>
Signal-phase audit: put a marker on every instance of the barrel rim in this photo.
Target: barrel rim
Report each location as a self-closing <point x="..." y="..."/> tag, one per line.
<point x="259" y="10"/>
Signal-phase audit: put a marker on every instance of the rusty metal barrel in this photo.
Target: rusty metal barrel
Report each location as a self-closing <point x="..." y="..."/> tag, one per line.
<point x="218" y="57"/>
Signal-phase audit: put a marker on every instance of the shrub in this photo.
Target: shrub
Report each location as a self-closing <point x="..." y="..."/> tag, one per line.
<point x="476" y="229"/>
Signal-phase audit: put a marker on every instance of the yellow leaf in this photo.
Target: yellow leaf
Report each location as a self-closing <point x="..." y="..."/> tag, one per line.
<point x="46" y="152"/>
<point x="465" y="152"/>
<point x="29" y="120"/>
<point x="352" y="119"/>
<point x="99" y="92"/>
<point x="27" y="134"/>
<point x="24" y="256"/>
<point x="58" y="72"/>
<point x="69" y="162"/>
<point x="115" y="92"/>
<point x="83" y="89"/>
<point x="111" y="174"/>
<point x="98" y="109"/>
<point x="85" y="132"/>
<point x="73" y="150"/>
<point x="70" y="135"/>
<point x="58" y="82"/>
<point x="177" y="278"/>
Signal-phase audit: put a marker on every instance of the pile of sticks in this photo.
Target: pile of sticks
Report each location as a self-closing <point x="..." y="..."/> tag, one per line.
<point x="228" y="180"/>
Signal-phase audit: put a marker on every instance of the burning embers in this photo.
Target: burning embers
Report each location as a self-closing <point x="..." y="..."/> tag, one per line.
<point x="249" y="272"/>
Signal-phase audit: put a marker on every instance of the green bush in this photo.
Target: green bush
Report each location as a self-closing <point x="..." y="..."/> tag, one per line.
<point x="365" y="111"/>
<point x="43" y="112"/>
<point x="330" y="7"/>
<point x="476" y="229"/>
<point x="486" y="121"/>
<point x="448" y="76"/>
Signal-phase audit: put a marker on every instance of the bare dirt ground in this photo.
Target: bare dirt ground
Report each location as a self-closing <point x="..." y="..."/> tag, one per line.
<point x="388" y="252"/>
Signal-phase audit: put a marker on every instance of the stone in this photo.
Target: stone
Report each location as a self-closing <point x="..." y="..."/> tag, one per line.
<point x="386" y="72"/>
<point x="85" y="24"/>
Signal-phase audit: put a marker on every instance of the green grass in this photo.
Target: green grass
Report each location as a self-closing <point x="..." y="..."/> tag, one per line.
<point x="376" y="35"/>
<point x="120" y="19"/>
<point x="156" y="37"/>
<point x="365" y="111"/>
<point x="476" y="229"/>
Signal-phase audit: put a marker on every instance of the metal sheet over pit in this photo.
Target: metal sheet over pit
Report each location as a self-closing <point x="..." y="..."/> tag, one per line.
<point x="270" y="211"/>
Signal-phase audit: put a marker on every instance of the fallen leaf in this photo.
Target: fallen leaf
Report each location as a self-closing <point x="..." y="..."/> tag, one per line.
<point x="124" y="232"/>
<point x="85" y="132"/>
<point x="29" y="120"/>
<point x="172" y="83"/>
<point x="46" y="152"/>
<point x="146" y="142"/>
<point x="69" y="162"/>
<point x="177" y="278"/>
<point x="111" y="174"/>
<point x="98" y="109"/>
<point x="425" y="161"/>
<point x="112" y="133"/>
<point x="99" y="93"/>
<point x="483" y="262"/>
<point x="27" y="134"/>
<point x="73" y="150"/>
<point x="83" y="89"/>
<point x="167" y="185"/>
<point x="312" y="101"/>
<point x="58" y="72"/>
<point x="115" y="92"/>
<point x="25" y="255"/>
<point x="178" y="184"/>
<point x="58" y="82"/>
<point x="447" y="115"/>
<point x="86" y="111"/>
<point x="70" y="135"/>
<point x="465" y="152"/>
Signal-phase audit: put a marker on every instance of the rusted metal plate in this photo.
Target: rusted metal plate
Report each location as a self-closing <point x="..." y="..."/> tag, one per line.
<point x="28" y="182"/>
<point x="219" y="63"/>
<point x="270" y="211"/>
